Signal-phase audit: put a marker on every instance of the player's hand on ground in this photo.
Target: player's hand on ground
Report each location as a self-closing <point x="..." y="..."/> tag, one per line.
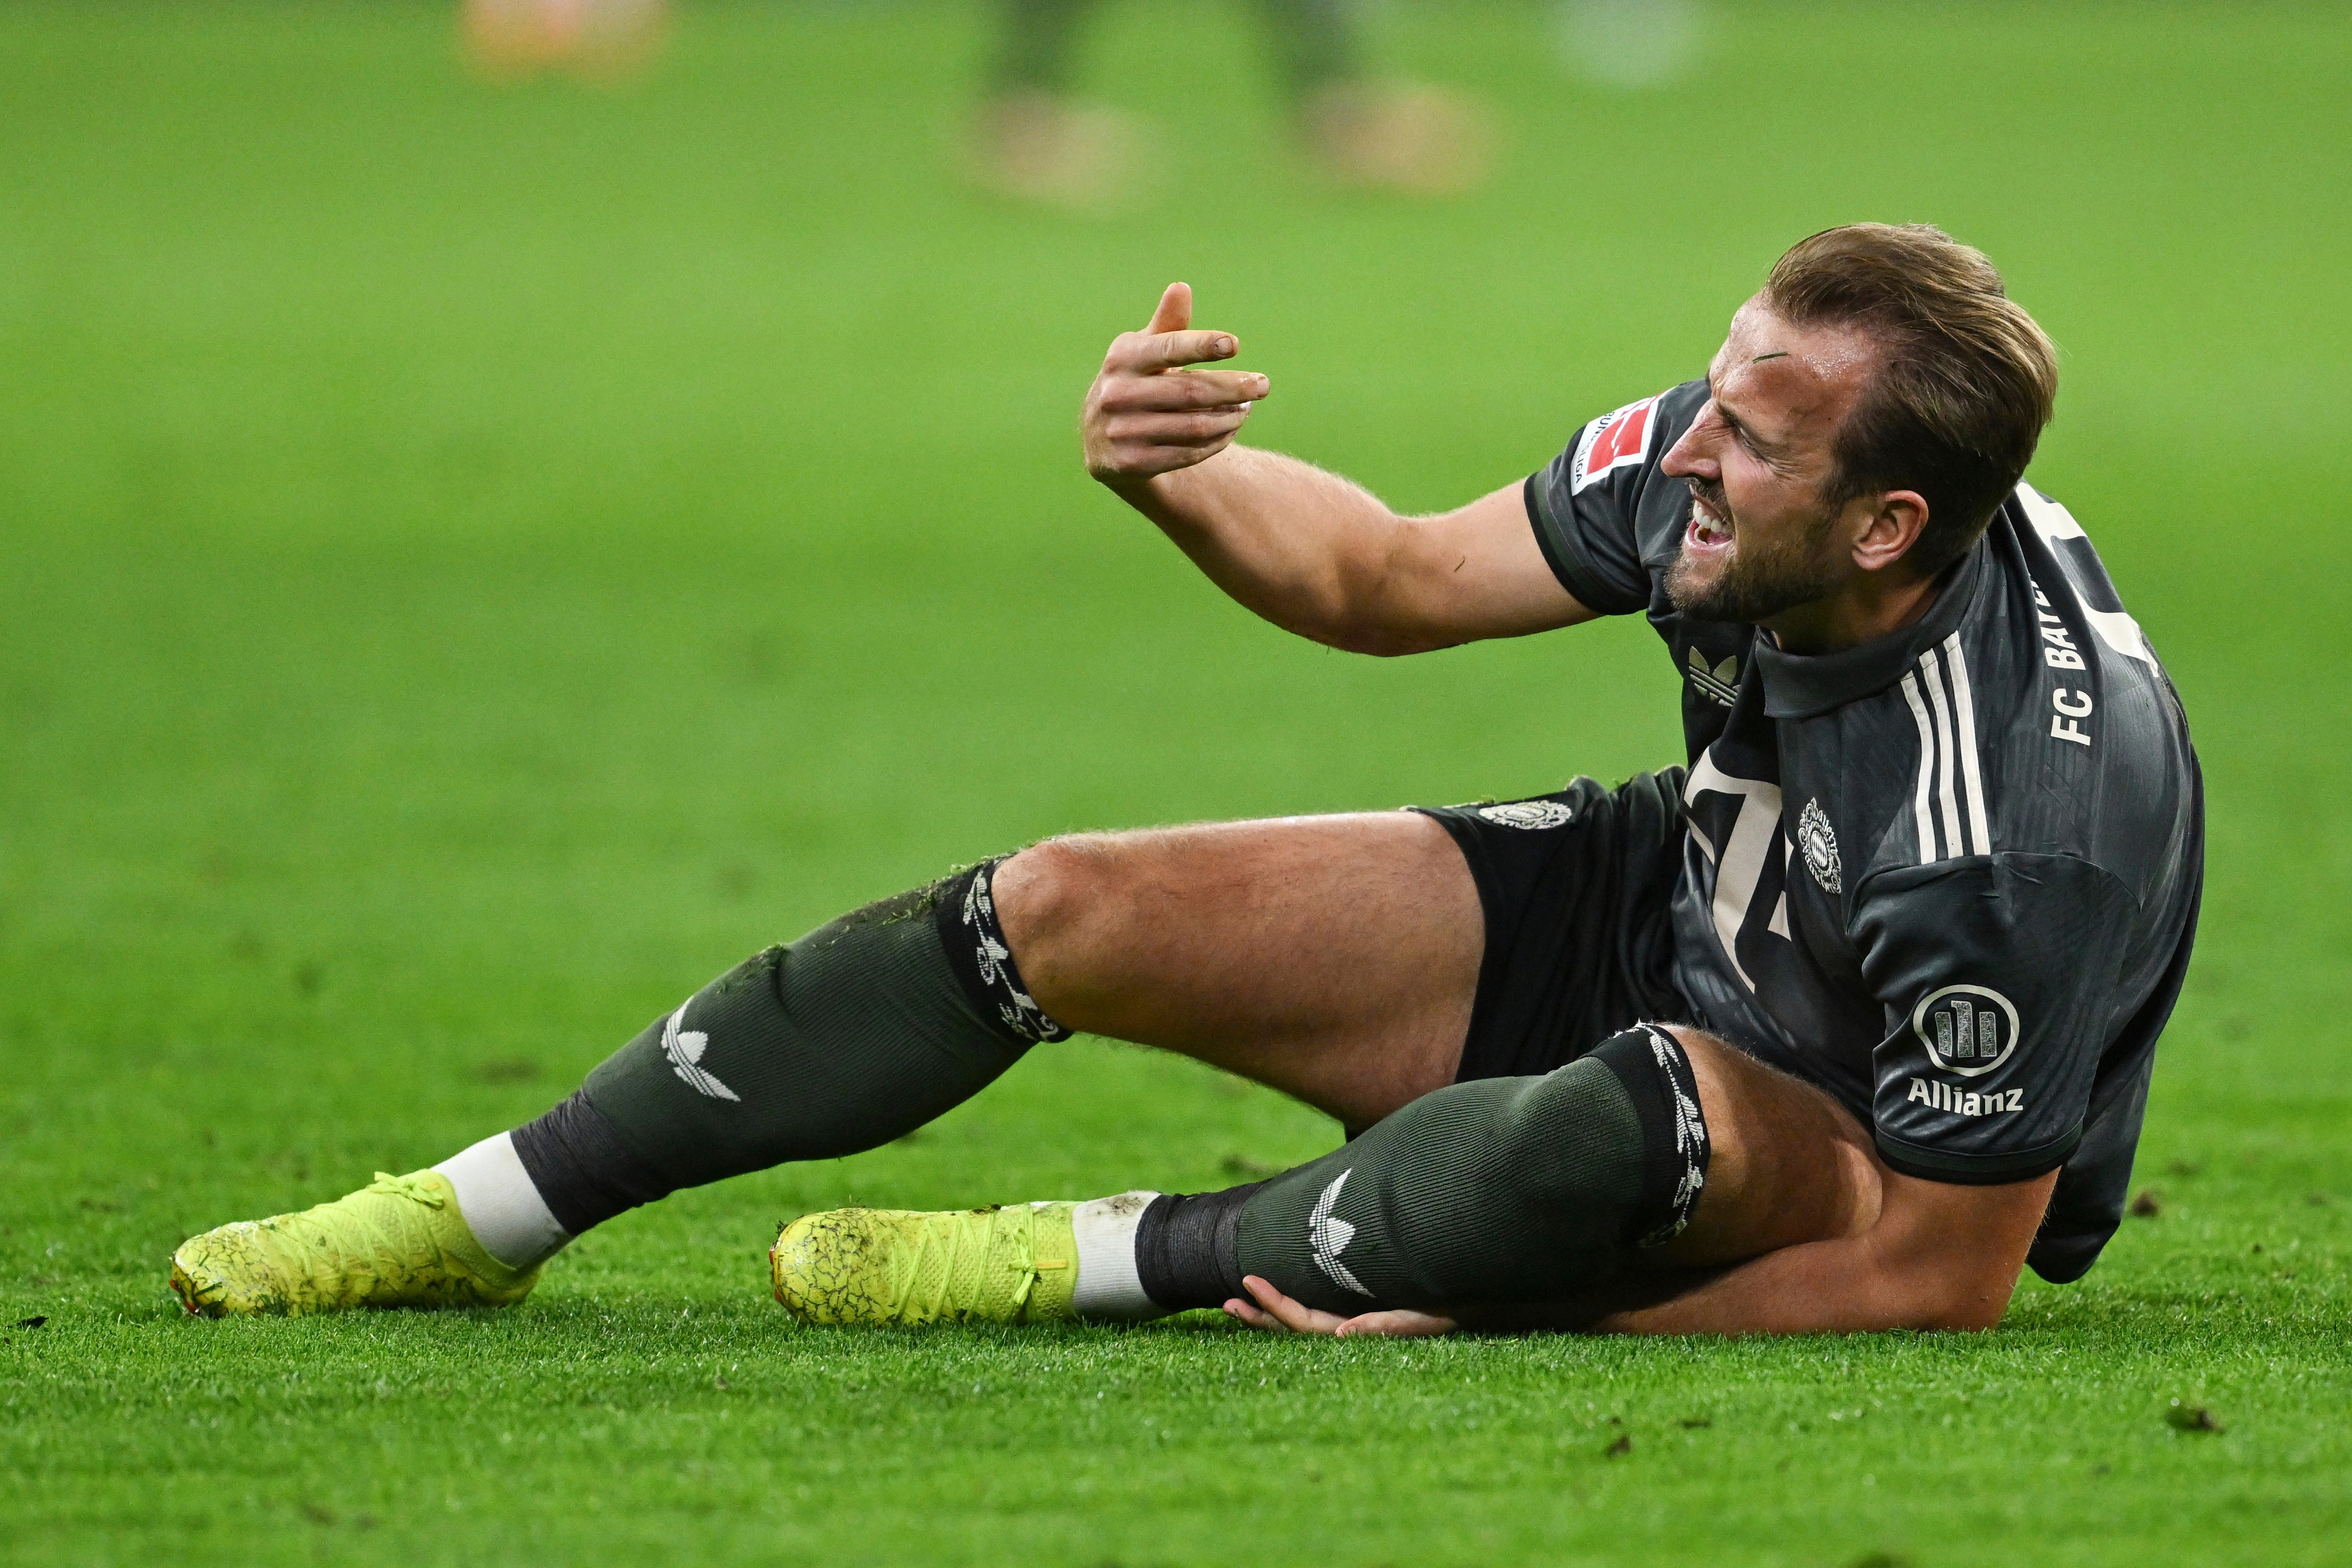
<point x="1148" y="413"/>
<point x="1273" y="1309"/>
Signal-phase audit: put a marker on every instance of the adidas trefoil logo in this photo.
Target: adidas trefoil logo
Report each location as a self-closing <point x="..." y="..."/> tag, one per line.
<point x="1722" y="682"/>
<point x="685" y="1048"/>
<point x="1330" y="1237"/>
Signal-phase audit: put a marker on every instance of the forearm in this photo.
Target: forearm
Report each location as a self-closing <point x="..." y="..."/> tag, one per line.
<point x="1846" y="1286"/>
<point x="1305" y="549"/>
<point x="1300" y="546"/>
<point x="1938" y="1256"/>
<point x="1818" y="1287"/>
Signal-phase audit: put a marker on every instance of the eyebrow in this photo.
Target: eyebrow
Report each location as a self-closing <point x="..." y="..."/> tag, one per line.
<point x="1741" y="426"/>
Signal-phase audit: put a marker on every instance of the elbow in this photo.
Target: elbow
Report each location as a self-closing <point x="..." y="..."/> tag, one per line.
<point x="1935" y="1291"/>
<point x="1382" y="644"/>
<point x="1959" y="1318"/>
<point x="1958" y="1303"/>
<point x="1974" y="1312"/>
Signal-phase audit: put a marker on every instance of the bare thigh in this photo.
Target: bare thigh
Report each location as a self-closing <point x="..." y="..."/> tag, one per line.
<point x="1334" y="958"/>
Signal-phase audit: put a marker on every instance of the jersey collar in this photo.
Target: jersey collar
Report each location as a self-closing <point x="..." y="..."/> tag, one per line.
<point x="1799" y="686"/>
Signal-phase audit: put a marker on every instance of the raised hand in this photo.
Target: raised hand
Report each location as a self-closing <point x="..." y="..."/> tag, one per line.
<point x="1148" y="413"/>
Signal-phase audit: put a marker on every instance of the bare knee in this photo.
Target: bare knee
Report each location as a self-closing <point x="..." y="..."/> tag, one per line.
<point x="1058" y="900"/>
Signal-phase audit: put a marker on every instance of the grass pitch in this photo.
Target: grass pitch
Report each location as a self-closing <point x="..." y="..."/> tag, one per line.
<point x="480" y="562"/>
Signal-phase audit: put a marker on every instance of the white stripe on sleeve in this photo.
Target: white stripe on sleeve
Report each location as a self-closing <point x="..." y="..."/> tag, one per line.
<point x="1945" y="802"/>
<point x="1926" y="764"/>
<point x="1964" y="704"/>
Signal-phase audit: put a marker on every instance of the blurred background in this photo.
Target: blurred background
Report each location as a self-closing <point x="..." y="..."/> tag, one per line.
<point x="506" y="507"/>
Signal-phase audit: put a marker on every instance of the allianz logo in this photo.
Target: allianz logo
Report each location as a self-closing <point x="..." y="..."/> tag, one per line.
<point x="1965" y="1102"/>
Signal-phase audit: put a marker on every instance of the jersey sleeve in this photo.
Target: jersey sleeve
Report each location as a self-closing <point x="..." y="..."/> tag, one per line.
<point x="1584" y="506"/>
<point x="1998" y="975"/>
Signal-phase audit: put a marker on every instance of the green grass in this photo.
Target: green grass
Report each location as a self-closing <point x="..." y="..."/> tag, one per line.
<point x="479" y="562"/>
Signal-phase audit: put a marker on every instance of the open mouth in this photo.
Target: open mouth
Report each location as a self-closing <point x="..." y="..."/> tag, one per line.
<point x="1707" y="530"/>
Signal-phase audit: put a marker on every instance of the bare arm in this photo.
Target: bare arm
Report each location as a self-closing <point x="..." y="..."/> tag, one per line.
<point x="1308" y="550"/>
<point x="1940" y="1257"/>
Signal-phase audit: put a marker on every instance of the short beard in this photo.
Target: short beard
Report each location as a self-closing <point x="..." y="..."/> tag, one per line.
<point x="1756" y="584"/>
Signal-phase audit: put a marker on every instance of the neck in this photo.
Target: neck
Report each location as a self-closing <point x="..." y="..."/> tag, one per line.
<point x="1867" y="607"/>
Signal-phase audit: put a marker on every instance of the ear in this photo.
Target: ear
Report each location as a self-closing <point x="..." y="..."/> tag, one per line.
<point x="1897" y="520"/>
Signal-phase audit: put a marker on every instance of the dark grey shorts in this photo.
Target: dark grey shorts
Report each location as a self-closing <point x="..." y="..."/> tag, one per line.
<point x="1576" y="886"/>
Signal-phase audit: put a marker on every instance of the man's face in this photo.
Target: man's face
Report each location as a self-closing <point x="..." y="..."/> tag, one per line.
<point x="1762" y="538"/>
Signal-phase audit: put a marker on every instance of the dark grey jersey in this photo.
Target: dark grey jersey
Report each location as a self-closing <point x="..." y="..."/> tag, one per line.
<point x="1950" y="876"/>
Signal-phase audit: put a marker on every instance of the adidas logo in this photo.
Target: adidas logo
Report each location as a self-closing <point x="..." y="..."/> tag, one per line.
<point x="685" y="1048"/>
<point x="1328" y="1236"/>
<point x="1722" y="682"/>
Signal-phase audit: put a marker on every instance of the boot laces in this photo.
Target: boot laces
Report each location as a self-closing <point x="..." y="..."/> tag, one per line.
<point x="319" y="1249"/>
<point x="965" y="1249"/>
<point x="415" y="1188"/>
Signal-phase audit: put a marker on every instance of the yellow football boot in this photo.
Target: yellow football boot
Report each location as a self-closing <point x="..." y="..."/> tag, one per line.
<point x="1015" y="1264"/>
<point x="397" y="1242"/>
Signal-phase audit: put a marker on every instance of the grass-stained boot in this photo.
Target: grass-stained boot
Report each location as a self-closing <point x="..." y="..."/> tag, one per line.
<point x="397" y="1242"/>
<point x="1012" y="1264"/>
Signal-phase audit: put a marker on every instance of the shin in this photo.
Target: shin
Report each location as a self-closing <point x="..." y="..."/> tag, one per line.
<point x="855" y="1034"/>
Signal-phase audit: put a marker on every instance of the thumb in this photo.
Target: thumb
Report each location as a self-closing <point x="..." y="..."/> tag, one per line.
<point x="1175" y="311"/>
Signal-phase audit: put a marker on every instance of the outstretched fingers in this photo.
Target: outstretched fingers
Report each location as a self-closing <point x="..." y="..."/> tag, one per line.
<point x="1183" y="389"/>
<point x="1141" y="431"/>
<point x="1273" y="1309"/>
<point x="1397" y="1325"/>
<point x="1148" y="353"/>
<point x="1168" y="342"/>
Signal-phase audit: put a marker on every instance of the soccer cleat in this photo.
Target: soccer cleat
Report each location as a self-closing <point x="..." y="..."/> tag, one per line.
<point x="397" y="1242"/>
<point x="1015" y="1264"/>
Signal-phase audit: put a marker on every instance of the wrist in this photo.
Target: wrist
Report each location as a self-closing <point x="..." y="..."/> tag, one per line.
<point x="1147" y="493"/>
<point x="1127" y="487"/>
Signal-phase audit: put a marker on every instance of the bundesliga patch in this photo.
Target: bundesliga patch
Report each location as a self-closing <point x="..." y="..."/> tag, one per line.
<point x="1614" y="441"/>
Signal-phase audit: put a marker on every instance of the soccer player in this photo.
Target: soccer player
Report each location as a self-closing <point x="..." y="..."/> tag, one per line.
<point x="1837" y="1026"/>
<point x="1033" y="139"/>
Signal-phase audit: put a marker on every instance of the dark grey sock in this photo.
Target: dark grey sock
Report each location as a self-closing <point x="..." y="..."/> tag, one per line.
<point x="1501" y="1190"/>
<point x="584" y="1172"/>
<point x="1184" y="1247"/>
<point x="1504" y="1189"/>
<point x="857" y="1033"/>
